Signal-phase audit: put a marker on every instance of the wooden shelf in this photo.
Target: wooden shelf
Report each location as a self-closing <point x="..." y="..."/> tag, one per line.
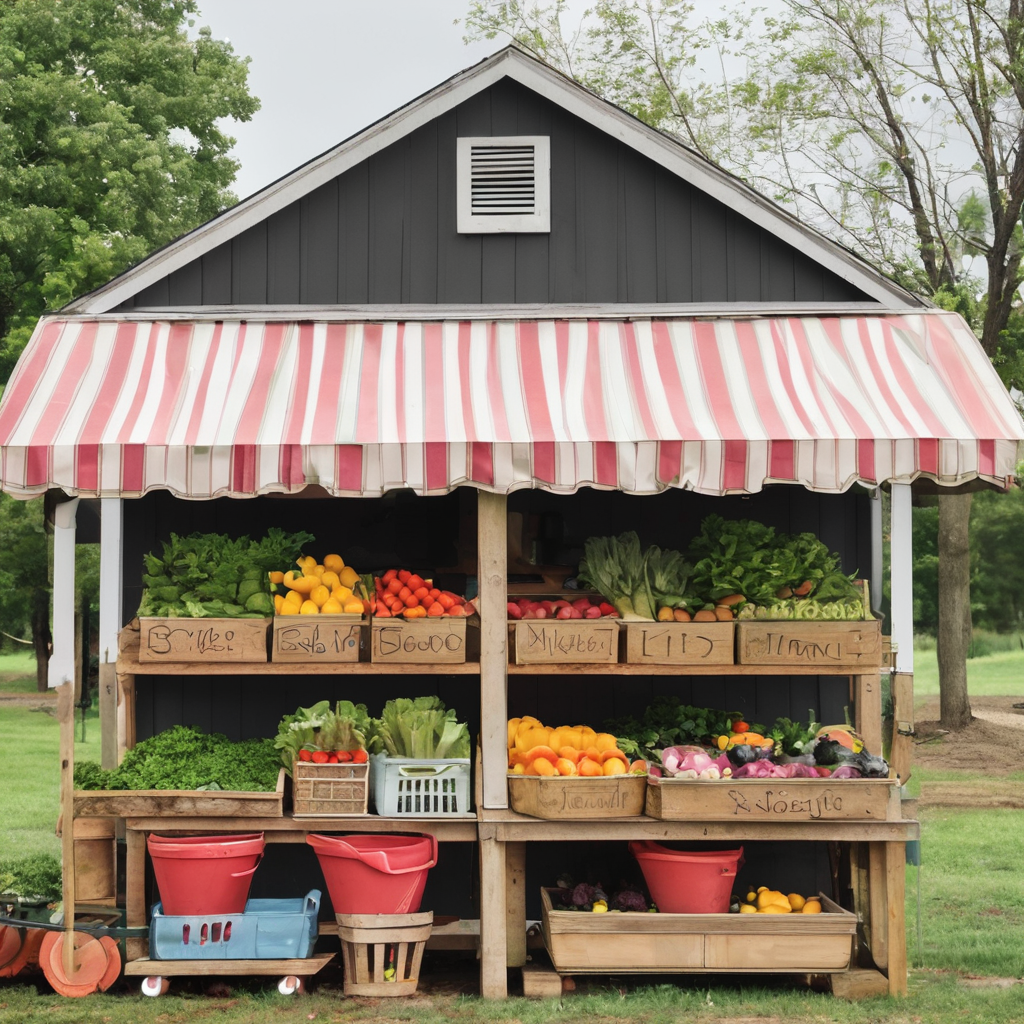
<point x="143" y="967"/>
<point x="690" y="670"/>
<point x="508" y="826"/>
<point x="287" y="829"/>
<point x="271" y="668"/>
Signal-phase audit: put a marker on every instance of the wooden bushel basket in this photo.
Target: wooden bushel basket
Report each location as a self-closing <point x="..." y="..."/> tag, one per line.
<point x="382" y="952"/>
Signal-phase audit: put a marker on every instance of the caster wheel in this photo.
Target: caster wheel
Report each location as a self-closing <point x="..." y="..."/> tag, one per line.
<point x="155" y="986"/>
<point x="291" y="986"/>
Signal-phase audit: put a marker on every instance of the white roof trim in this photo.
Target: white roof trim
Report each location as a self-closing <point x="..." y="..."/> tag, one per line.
<point x="521" y="311"/>
<point x="553" y="85"/>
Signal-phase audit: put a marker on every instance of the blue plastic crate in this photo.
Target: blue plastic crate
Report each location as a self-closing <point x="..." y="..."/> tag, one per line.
<point x="268" y="930"/>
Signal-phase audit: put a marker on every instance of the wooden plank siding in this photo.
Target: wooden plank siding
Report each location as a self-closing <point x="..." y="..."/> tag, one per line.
<point x="623" y="229"/>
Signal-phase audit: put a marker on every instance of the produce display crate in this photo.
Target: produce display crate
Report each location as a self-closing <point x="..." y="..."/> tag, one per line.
<point x="179" y="803"/>
<point x="680" y="643"/>
<point x="561" y="797"/>
<point x="317" y="638"/>
<point x="329" y="790"/>
<point x="637" y="943"/>
<point x="424" y="788"/>
<point x="773" y="799"/>
<point x="267" y="930"/>
<point x="437" y="640"/>
<point x="203" y="640"/>
<point x="564" y="641"/>
<point x="824" y="643"/>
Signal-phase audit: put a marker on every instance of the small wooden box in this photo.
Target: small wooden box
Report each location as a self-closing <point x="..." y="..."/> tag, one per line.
<point x="636" y="943"/>
<point x="560" y="797"/>
<point x="430" y="641"/>
<point x="329" y="790"/>
<point x="317" y="638"/>
<point x="773" y="799"/>
<point x="679" y="643"/>
<point x="566" y="641"/>
<point x="203" y="640"/>
<point x="179" y="803"/>
<point x="828" y="644"/>
<point x="95" y="861"/>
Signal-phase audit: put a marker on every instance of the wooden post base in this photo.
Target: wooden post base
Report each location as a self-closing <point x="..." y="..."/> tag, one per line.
<point x="859" y="984"/>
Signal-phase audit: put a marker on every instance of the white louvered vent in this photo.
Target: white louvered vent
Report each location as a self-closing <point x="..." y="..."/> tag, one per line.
<point x="504" y="184"/>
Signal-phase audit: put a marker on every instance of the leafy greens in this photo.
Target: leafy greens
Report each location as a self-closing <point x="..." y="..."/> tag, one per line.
<point x="419" y="728"/>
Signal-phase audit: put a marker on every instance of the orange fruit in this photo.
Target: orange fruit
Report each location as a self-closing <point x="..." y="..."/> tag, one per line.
<point x="613" y="766"/>
<point x="309" y="608"/>
<point x="609" y="755"/>
<point x="570" y="754"/>
<point x="605" y="741"/>
<point x="589" y="767"/>
<point x="542" y="766"/>
<point x="593" y="753"/>
<point x="565" y="767"/>
<point x="541" y="751"/>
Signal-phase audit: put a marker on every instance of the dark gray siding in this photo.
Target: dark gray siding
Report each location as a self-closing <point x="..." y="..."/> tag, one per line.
<point x="622" y="230"/>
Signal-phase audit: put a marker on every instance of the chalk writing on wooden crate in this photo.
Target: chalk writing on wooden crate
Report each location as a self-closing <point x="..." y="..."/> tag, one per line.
<point x="316" y="638"/>
<point x="203" y="640"/>
<point x="566" y="641"/>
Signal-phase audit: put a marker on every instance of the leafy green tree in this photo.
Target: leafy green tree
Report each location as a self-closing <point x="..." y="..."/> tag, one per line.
<point x="25" y="578"/>
<point x="895" y="126"/>
<point x="111" y="143"/>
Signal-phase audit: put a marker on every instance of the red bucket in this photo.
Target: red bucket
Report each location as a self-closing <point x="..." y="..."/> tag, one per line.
<point x="375" y="874"/>
<point x="205" y="874"/>
<point x="687" y="882"/>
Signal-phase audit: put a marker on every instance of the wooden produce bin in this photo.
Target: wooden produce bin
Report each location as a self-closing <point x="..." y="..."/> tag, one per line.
<point x="314" y="639"/>
<point x="565" y="641"/>
<point x="561" y="797"/>
<point x="828" y="643"/>
<point x="203" y="640"/>
<point x="636" y="943"/>
<point x="179" y="803"/>
<point x="437" y="640"/>
<point x="95" y="861"/>
<point x="773" y="800"/>
<point x="329" y="790"/>
<point x="679" y="643"/>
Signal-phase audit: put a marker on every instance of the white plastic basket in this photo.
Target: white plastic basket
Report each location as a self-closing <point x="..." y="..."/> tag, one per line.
<point x="403" y="787"/>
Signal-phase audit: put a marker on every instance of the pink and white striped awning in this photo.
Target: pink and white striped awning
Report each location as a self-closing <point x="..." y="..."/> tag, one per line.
<point x="111" y="406"/>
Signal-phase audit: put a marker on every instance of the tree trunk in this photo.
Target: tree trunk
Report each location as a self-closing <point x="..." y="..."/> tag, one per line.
<point x="41" y="636"/>
<point x="954" y="609"/>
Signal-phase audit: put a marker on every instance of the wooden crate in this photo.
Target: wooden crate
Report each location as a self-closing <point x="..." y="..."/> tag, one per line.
<point x="438" y="640"/>
<point x="565" y="641"/>
<point x="560" y="797"/>
<point x="203" y="640"/>
<point x="329" y="790"/>
<point x="828" y="644"/>
<point x="635" y="943"/>
<point x="95" y="861"/>
<point x="773" y="799"/>
<point x="179" y="803"/>
<point x="317" y="638"/>
<point x="679" y="643"/>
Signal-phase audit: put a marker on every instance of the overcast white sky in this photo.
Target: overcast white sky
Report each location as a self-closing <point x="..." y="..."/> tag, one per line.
<point x="324" y="69"/>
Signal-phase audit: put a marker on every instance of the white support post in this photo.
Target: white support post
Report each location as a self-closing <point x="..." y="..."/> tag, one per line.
<point x="111" y="522"/>
<point x="901" y="575"/>
<point x="62" y="659"/>
<point x="877" y="549"/>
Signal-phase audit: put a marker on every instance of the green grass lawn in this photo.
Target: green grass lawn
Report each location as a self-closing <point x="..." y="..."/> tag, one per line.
<point x="994" y="675"/>
<point x="18" y="672"/>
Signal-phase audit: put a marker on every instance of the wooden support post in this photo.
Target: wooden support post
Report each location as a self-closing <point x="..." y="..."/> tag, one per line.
<point x="491" y="542"/>
<point x="515" y="904"/>
<point x="878" y="901"/>
<point x="66" y="718"/>
<point x="901" y="575"/>
<point x="493" y="972"/>
<point x="902" y="747"/>
<point x="135" y="891"/>
<point x="895" y="893"/>
<point x="868" y="710"/>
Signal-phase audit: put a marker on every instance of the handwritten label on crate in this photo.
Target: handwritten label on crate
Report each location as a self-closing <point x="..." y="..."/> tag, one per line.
<point x="554" y="798"/>
<point x="795" y="800"/>
<point x="327" y="638"/>
<point x="809" y="643"/>
<point x="203" y="640"/>
<point x="566" y="641"/>
<point x="679" y="643"/>
<point x="420" y="641"/>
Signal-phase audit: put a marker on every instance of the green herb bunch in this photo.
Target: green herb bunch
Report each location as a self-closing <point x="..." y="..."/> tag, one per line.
<point x="185" y="758"/>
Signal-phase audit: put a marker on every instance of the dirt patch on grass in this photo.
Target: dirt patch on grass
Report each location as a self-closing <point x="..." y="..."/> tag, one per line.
<point x="993" y="742"/>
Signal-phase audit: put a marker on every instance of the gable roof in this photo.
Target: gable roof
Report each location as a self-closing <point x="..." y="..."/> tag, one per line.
<point x="528" y="71"/>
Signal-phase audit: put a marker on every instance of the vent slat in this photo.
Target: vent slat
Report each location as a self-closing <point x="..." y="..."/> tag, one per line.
<point x="502" y="180"/>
